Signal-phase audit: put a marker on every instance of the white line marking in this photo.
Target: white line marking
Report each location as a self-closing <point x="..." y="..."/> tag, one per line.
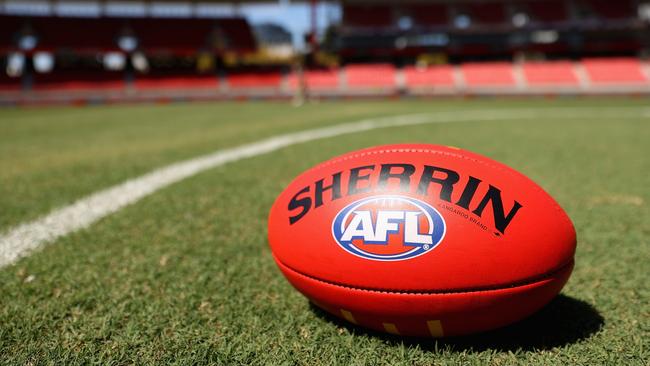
<point x="25" y="238"/>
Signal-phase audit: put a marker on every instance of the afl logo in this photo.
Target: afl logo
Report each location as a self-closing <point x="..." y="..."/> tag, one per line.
<point x="388" y="228"/>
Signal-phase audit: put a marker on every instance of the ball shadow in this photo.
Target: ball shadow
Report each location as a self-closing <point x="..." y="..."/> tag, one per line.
<point x="565" y="320"/>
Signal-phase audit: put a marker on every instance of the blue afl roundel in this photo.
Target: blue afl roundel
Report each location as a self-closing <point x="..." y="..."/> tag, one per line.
<point x="388" y="228"/>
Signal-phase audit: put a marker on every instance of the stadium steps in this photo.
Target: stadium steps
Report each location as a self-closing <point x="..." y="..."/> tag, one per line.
<point x="615" y="71"/>
<point x="550" y="74"/>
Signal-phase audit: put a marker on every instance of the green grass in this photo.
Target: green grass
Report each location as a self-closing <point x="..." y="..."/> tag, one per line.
<point x="185" y="276"/>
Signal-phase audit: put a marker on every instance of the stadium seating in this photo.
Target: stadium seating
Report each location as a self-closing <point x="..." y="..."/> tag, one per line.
<point x="370" y="76"/>
<point x="559" y="73"/>
<point x="238" y="34"/>
<point x="488" y="74"/>
<point x="78" y="34"/>
<point x="255" y="80"/>
<point x="175" y="80"/>
<point x="180" y="36"/>
<point x="319" y="80"/>
<point x="614" y="71"/>
<point x="435" y="76"/>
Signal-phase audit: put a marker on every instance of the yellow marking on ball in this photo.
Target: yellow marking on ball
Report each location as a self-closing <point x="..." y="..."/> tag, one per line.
<point x="391" y="328"/>
<point x="435" y="328"/>
<point x="348" y="316"/>
<point x="453" y="147"/>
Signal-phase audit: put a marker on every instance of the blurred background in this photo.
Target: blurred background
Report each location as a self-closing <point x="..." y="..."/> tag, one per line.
<point x="109" y="51"/>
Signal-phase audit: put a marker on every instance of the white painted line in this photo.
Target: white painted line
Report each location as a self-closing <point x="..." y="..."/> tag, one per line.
<point x="25" y="238"/>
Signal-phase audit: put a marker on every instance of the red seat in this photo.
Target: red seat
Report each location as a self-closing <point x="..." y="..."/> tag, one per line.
<point x="176" y="81"/>
<point x="558" y="73"/>
<point x="436" y="76"/>
<point x="614" y="71"/>
<point x="370" y="76"/>
<point x="255" y="79"/>
<point x="488" y="74"/>
<point x="317" y="79"/>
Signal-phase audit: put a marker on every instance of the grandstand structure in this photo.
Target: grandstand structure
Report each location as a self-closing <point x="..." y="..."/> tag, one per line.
<point x="379" y="48"/>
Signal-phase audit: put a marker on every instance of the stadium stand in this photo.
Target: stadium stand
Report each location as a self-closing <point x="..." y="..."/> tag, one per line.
<point x="615" y="71"/>
<point x="317" y="80"/>
<point x="175" y="81"/>
<point x="488" y="74"/>
<point x="370" y="76"/>
<point x="168" y="35"/>
<point x="238" y="33"/>
<point x="82" y="35"/>
<point x="263" y="79"/>
<point x="558" y="73"/>
<point x="429" y="77"/>
<point x="379" y="42"/>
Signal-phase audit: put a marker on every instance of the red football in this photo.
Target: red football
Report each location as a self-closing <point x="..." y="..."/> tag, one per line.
<point x="421" y="240"/>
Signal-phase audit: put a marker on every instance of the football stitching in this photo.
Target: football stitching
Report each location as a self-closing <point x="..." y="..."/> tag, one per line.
<point x="522" y="283"/>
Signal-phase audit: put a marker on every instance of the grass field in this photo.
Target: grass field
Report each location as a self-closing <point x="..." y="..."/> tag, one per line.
<point x="185" y="275"/>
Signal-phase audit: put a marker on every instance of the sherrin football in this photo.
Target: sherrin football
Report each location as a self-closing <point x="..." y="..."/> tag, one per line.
<point x="421" y="240"/>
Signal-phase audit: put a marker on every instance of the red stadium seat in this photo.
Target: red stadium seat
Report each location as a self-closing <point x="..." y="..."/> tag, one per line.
<point x="558" y="73"/>
<point x="317" y="79"/>
<point x="614" y="71"/>
<point x="176" y="81"/>
<point x="254" y="79"/>
<point x="436" y="76"/>
<point x="370" y="76"/>
<point x="488" y="74"/>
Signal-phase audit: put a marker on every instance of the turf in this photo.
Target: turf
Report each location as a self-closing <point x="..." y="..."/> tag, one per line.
<point x="185" y="275"/>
